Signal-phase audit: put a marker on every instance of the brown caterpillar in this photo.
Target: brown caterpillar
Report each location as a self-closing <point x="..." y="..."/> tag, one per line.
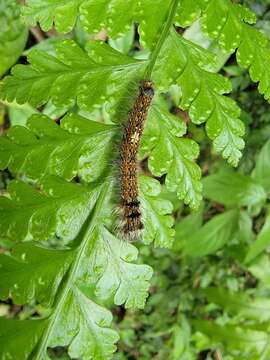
<point x="129" y="193"/>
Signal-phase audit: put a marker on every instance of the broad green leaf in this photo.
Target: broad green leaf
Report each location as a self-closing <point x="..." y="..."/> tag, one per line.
<point x="59" y="209"/>
<point x="240" y="304"/>
<point x="261" y="243"/>
<point x="202" y="93"/>
<point x="181" y="340"/>
<point x="243" y="236"/>
<point x="33" y="272"/>
<point x="13" y="35"/>
<point x="172" y="155"/>
<point x="78" y="147"/>
<point x="245" y="228"/>
<point x="47" y="45"/>
<point x="261" y="171"/>
<point x="213" y="235"/>
<point x="185" y="226"/>
<point x="248" y="341"/>
<point x="89" y="72"/>
<point x="157" y="217"/>
<point x="261" y="270"/>
<point x="234" y="189"/>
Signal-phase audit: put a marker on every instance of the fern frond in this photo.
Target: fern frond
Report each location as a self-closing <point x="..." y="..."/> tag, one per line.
<point x="202" y="94"/>
<point x="157" y="212"/>
<point x="97" y="259"/>
<point x="72" y="74"/>
<point x="13" y="35"/>
<point x="78" y="147"/>
<point x="60" y="209"/>
<point x="171" y="155"/>
<point x="230" y="24"/>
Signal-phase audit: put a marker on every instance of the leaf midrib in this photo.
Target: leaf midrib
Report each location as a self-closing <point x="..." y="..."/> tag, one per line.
<point x="91" y="221"/>
<point x="84" y="71"/>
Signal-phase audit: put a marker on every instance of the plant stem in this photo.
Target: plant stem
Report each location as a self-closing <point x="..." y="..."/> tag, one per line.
<point x="162" y="38"/>
<point x="37" y="33"/>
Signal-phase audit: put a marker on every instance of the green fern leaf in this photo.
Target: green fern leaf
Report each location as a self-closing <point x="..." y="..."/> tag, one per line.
<point x="114" y="275"/>
<point x="62" y="13"/>
<point x="254" y="54"/>
<point x="202" y="94"/>
<point x="202" y="91"/>
<point x="109" y="270"/>
<point x="172" y="155"/>
<point x="13" y="35"/>
<point x="43" y="270"/>
<point x="90" y="73"/>
<point x="84" y="326"/>
<point x="51" y="143"/>
<point x="91" y="266"/>
<point x="152" y="17"/>
<point x="32" y="215"/>
<point x="156" y="214"/>
<point x="188" y="11"/>
<point x="97" y="15"/>
<point x="230" y="25"/>
<point x="73" y="148"/>
<point x="223" y="20"/>
<point x="99" y="260"/>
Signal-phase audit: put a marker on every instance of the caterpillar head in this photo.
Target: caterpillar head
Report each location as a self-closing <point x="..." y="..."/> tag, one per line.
<point x="147" y="88"/>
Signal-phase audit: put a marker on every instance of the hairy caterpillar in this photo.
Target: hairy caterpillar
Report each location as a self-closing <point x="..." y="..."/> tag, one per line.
<point x="129" y="193"/>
